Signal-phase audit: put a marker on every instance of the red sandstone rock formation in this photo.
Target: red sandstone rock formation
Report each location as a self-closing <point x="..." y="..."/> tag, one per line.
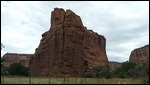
<point x="68" y="48"/>
<point x="11" y="58"/>
<point x="140" y="55"/>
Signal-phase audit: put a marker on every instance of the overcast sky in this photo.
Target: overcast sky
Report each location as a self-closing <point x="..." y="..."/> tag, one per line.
<point x="124" y="24"/>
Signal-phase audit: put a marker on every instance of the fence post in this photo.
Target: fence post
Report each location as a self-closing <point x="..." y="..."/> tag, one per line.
<point x="3" y="79"/>
<point x="76" y="81"/>
<point x="49" y="80"/>
<point x="64" y="80"/>
<point x="29" y="79"/>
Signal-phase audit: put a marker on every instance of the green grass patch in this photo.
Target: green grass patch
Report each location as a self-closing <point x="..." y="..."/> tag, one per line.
<point x="62" y="80"/>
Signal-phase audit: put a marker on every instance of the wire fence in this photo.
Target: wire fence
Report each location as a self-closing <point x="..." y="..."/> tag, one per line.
<point x="44" y="80"/>
<point x="65" y="80"/>
<point x="37" y="80"/>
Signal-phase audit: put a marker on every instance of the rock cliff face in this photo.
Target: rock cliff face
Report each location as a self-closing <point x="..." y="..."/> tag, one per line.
<point x="140" y="55"/>
<point x="113" y="65"/>
<point x="68" y="48"/>
<point x="11" y="58"/>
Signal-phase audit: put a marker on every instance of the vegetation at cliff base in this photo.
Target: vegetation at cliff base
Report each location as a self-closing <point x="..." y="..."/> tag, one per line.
<point x="17" y="69"/>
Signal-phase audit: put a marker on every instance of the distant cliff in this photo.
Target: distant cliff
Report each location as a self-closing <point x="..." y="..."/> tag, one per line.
<point x="113" y="65"/>
<point x="10" y="58"/>
<point x="68" y="48"/>
<point x="140" y="55"/>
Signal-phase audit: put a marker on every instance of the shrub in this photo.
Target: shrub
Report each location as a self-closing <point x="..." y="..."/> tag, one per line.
<point x="98" y="71"/>
<point x="17" y="69"/>
<point x="88" y="74"/>
<point x="4" y="71"/>
<point x="126" y="70"/>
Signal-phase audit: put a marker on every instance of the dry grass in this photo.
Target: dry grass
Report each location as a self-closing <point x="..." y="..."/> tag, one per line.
<point x="58" y="80"/>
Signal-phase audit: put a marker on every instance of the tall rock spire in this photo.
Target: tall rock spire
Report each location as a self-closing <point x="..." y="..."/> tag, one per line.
<point x="68" y="48"/>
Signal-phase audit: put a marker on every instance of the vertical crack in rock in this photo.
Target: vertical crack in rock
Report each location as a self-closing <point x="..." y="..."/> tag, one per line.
<point x="63" y="33"/>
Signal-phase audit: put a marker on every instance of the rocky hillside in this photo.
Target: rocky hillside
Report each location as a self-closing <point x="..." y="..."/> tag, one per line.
<point x="140" y="55"/>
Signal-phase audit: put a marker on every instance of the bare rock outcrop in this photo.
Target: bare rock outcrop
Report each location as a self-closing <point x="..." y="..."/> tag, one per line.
<point x="68" y="48"/>
<point x="140" y="55"/>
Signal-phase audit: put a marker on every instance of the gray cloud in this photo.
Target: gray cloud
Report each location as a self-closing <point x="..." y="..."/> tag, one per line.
<point x="125" y="25"/>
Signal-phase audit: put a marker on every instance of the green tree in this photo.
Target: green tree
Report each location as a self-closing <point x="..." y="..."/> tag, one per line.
<point x="88" y="74"/>
<point x="125" y="70"/>
<point x="17" y="69"/>
<point x="2" y="59"/>
<point x="98" y="71"/>
<point x="141" y="70"/>
<point x="4" y="70"/>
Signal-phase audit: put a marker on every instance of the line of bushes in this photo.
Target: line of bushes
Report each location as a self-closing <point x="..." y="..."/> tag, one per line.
<point x="127" y="69"/>
<point x="14" y="69"/>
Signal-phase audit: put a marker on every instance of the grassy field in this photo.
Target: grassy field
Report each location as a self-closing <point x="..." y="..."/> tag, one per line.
<point x="58" y="80"/>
